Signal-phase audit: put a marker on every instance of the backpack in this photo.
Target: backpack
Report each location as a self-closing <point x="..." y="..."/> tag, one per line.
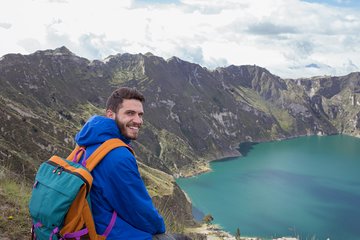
<point x="60" y="205"/>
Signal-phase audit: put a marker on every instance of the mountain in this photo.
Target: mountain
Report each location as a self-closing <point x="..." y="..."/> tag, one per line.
<point x="192" y="114"/>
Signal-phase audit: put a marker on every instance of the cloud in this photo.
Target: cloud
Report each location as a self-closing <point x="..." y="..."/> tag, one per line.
<point x="190" y="54"/>
<point x="303" y="48"/>
<point x="92" y="45"/>
<point x="283" y="36"/>
<point x="5" y="25"/>
<point x="58" y="1"/>
<point x="297" y="50"/>
<point x="214" y="63"/>
<point x="348" y="66"/>
<point x="312" y="65"/>
<point x="97" y="47"/>
<point x="54" y="38"/>
<point x="316" y="68"/>
<point x="89" y="45"/>
<point x="147" y="3"/>
<point x="30" y="44"/>
<point x="211" y="7"/>
<point x="268" y="28"/>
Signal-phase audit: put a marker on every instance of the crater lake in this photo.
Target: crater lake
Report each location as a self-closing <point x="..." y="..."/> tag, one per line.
<point x="307" y="187"/>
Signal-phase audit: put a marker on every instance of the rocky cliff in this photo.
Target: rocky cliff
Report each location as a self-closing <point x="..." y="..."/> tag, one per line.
<point x="192" y="114"/>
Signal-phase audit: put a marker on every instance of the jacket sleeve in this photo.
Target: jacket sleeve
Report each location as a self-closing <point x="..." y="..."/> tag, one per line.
<point x="127" y="194"/>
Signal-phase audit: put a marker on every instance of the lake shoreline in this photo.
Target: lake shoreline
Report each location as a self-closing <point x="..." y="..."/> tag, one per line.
<point x="215" y="232"/>
<point x="204" y="167"/>
<point x="316" y="141"/>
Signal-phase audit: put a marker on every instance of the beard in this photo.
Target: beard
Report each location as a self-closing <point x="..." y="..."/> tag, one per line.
<point x="125" y="129"/>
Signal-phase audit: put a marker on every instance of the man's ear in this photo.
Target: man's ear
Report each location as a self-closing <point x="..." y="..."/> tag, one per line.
<point x="110" y="114"/>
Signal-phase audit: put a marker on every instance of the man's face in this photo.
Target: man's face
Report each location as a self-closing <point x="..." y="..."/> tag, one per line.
<point x="129" y="118"/>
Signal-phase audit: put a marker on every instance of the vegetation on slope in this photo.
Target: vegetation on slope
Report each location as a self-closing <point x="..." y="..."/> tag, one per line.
<point x="15" y="192"/>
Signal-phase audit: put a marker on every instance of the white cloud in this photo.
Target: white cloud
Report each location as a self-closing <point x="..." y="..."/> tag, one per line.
<point x="29" y="44"/>
<point x="283" y="36"/>
<point x="5" y="25"/>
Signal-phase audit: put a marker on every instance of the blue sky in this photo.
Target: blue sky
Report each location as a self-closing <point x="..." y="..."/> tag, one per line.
<point x="291" y="38"/>
<point x="337" y="3"/>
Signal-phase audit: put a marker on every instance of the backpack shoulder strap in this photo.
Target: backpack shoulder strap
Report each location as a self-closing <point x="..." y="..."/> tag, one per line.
<point x="104" y="149"/>
<point x="76" y="154"/>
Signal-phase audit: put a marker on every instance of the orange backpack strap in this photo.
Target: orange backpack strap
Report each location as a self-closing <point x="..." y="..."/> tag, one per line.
<point x="104" y="149"/>
<point x="89" y="222"/>
<point x="73" y="221"/>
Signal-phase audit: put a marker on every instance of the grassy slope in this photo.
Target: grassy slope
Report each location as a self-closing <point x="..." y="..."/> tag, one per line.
<point x="15" y="222"/>
<point x="14" y="197"/>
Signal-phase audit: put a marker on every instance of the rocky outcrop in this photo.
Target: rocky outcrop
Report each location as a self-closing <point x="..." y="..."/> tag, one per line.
<point x="338" y="98"/>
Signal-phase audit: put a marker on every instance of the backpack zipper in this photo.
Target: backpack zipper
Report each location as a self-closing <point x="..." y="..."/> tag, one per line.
<point x="68" y="171"/>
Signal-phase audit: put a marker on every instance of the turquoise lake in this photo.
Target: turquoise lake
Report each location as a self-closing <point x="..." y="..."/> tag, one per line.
<point x="307" y="187"/>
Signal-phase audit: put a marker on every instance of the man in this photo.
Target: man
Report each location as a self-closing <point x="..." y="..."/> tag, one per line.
<point x="117" y="184"/>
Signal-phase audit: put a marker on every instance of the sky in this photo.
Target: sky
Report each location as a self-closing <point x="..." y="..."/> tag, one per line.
<point x="290" y="38"/>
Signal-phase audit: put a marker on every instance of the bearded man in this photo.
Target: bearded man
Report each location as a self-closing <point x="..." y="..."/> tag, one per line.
<point x="118" y="192"/>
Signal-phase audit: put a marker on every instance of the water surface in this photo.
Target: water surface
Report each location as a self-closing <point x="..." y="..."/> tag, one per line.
<point x="307" y="187"/>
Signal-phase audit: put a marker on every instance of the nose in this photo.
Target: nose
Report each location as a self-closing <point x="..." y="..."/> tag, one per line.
<point x="138" y="119"/>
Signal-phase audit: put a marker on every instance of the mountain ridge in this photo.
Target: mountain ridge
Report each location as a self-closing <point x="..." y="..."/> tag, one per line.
<point x="227" y="99"/>
<point x="192" y="114"/>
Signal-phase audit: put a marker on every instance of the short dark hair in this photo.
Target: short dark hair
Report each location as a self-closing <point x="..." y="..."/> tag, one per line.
<point x="117" y="97"/>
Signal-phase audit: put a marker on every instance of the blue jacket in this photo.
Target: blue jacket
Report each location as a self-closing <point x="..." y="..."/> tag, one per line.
<point x="117" y="185"/>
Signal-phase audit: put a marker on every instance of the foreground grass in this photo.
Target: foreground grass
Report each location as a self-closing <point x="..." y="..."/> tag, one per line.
<point x="15" y="222"/>
<point x="14" y="216"/>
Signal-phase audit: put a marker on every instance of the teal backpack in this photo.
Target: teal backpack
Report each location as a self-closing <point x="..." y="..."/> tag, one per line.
<point x="60" y="202"/>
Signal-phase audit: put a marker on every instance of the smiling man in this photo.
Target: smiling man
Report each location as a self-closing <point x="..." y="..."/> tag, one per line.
<point x="118" y="190"/>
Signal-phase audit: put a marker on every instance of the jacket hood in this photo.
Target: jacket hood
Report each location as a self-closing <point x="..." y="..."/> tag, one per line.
<point x="97" y="130"/>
